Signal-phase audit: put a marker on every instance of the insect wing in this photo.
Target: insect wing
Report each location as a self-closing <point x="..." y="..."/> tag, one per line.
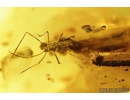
<point x="11" y="69"/>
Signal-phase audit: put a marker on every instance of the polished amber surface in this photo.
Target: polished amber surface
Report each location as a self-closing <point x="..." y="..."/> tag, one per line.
<point x="73" y="74"/>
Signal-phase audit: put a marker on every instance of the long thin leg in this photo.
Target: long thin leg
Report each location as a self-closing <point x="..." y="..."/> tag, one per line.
<point x="47" y="35"/>
<point x="54" y="51"/>
<point x="57" y="58"/>
<point x="56" y="42"/>
<point x="22" y="40"/>
<point x="59" y="38"/>
<point x="26" y="57"/>
<point x="35" y="64"/>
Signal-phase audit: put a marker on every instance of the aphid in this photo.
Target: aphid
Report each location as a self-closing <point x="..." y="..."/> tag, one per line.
<point x="94" y="29"/>
<point x="62" y="45"/>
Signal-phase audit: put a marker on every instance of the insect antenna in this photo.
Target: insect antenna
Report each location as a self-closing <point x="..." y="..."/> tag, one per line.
<point x="35" y="64"/>
<point x="21" y="41"/>
<point x="47" y="35"/>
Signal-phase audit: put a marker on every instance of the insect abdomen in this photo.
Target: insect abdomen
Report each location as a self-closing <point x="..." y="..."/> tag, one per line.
<point x="75" y="46"/>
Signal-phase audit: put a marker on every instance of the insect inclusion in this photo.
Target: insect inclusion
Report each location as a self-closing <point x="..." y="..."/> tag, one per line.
<point x="62" y="45"/>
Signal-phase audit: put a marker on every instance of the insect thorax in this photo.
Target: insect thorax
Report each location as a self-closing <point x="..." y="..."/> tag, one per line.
<point x="61" y="46"/>
<point x="43" y="45"/>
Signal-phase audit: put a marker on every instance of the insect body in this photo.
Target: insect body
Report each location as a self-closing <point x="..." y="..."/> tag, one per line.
<point x="61" y="45"/>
